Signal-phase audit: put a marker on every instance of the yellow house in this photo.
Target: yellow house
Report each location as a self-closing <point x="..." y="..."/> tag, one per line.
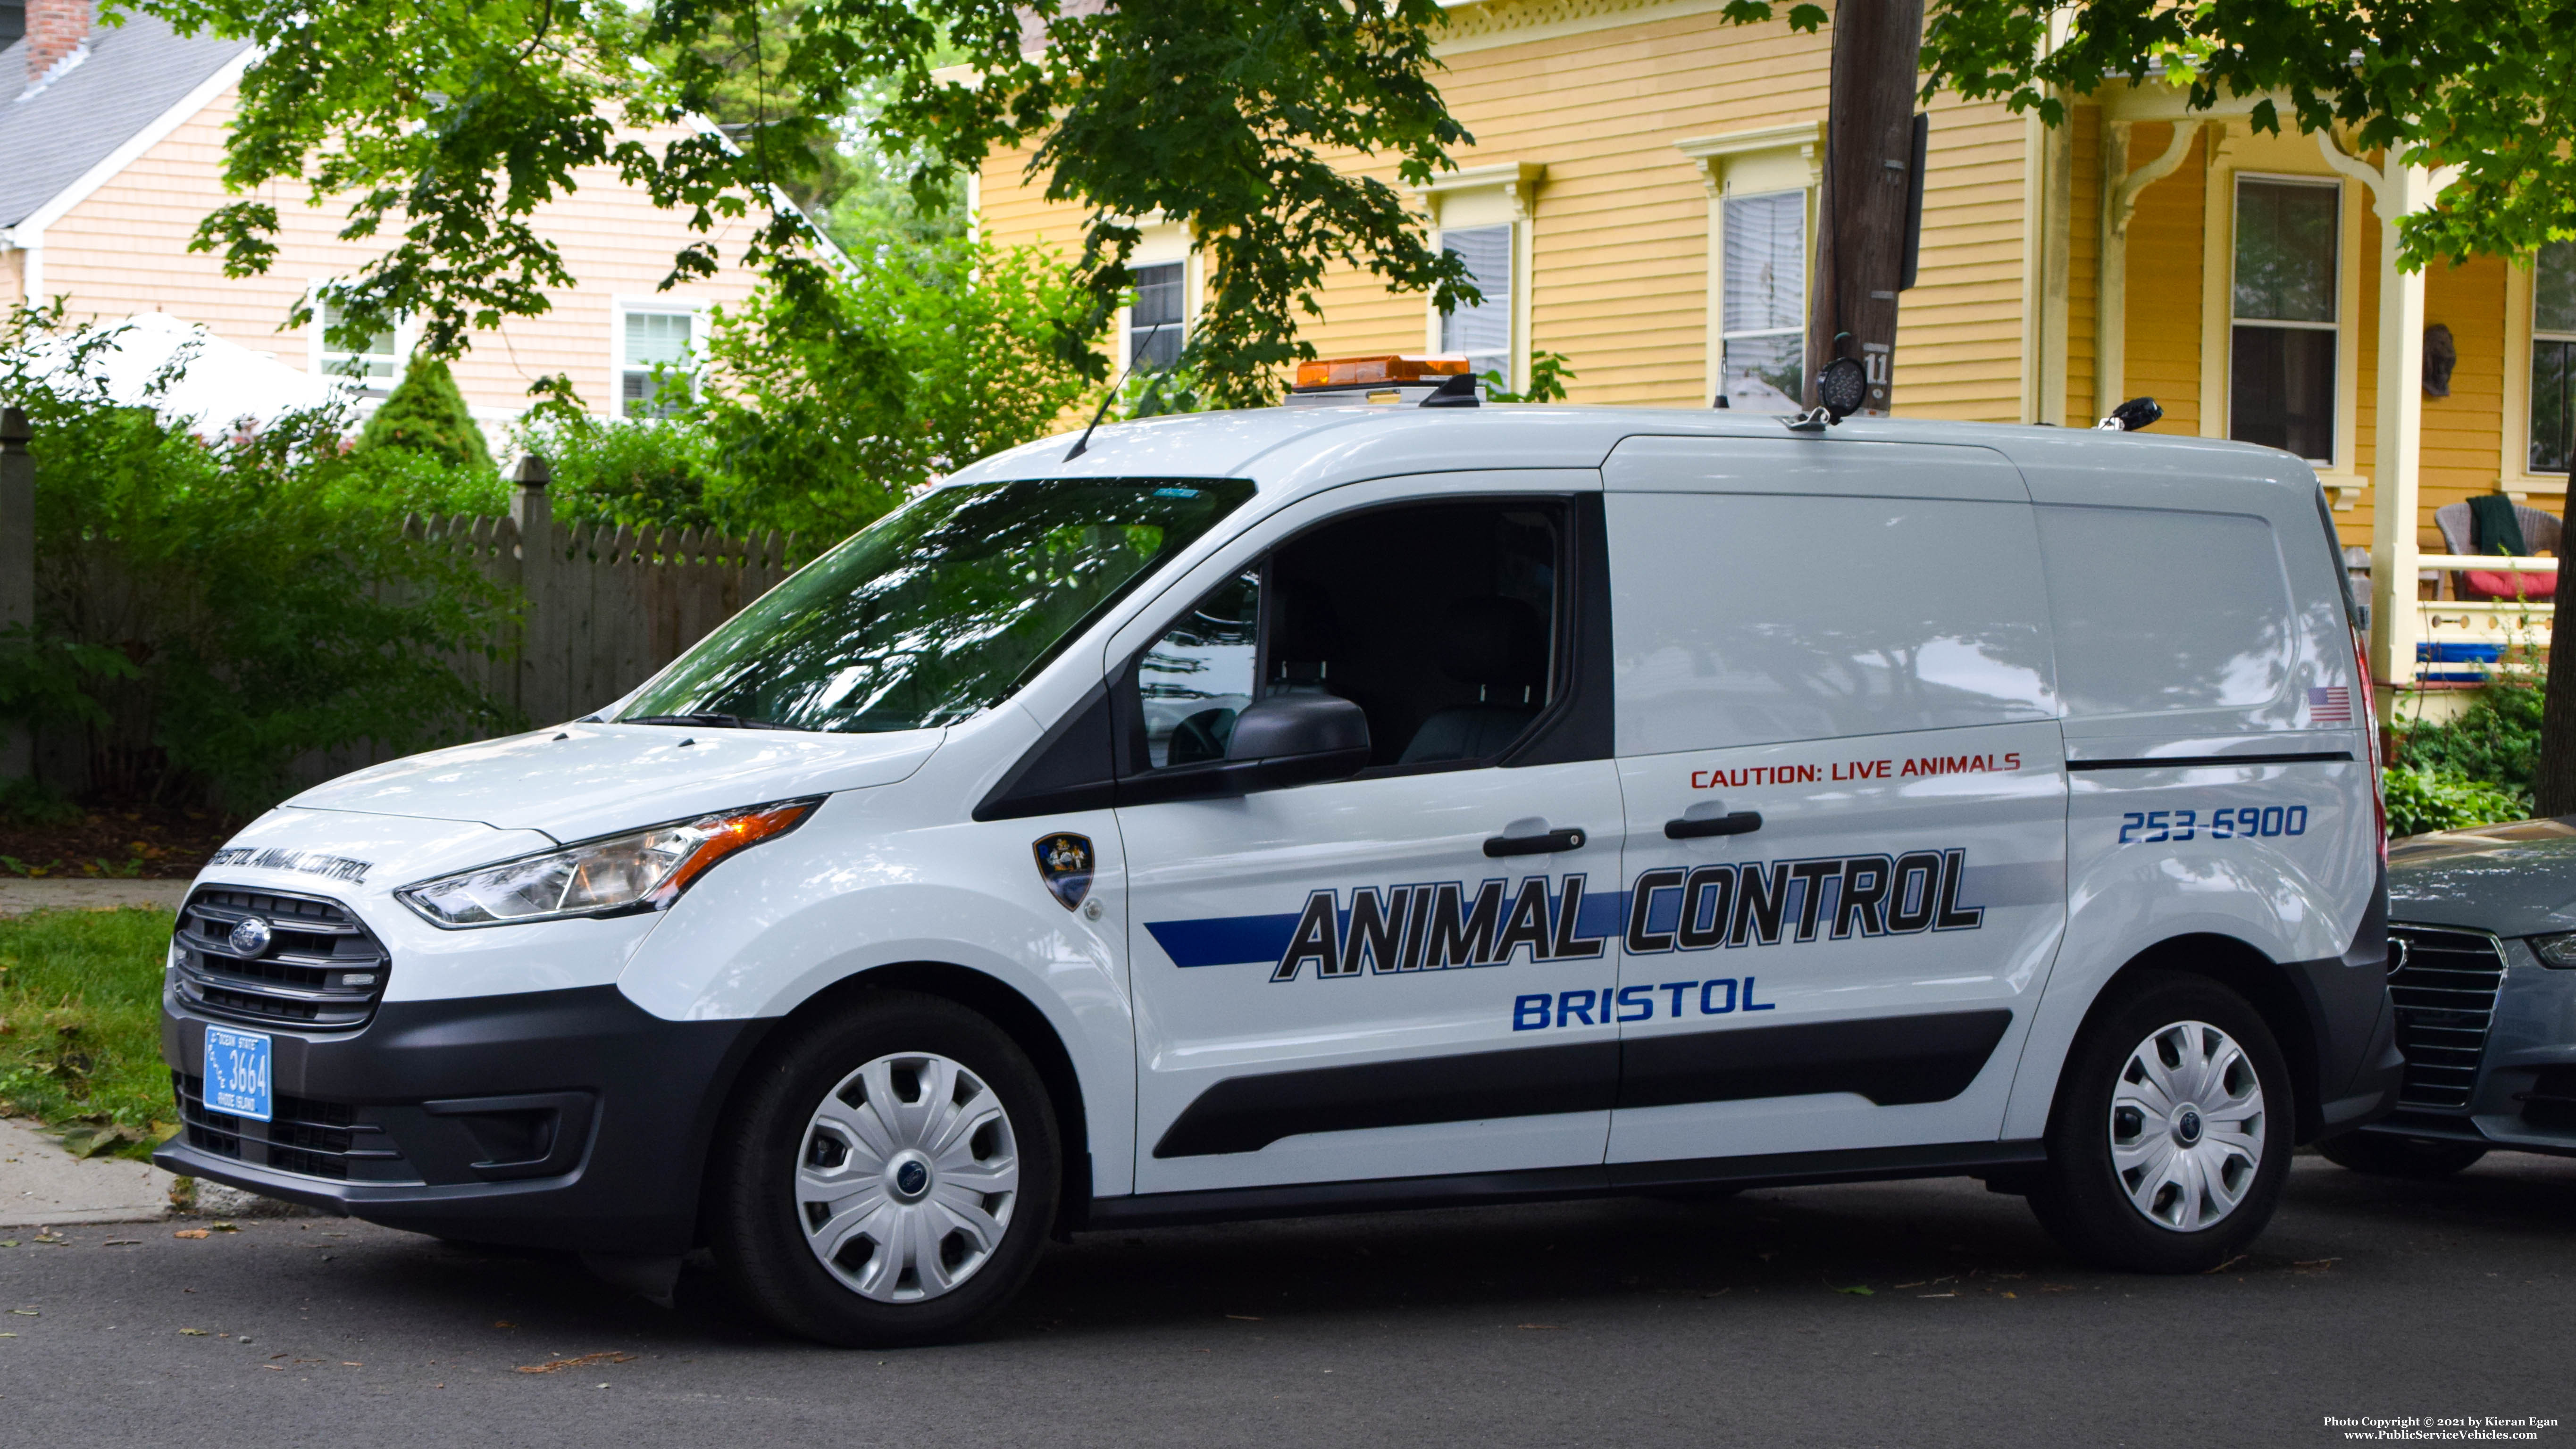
<point x="1640" y="197"/>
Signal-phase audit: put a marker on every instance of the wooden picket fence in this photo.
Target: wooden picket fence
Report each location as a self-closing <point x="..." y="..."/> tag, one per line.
<point x="606" y="606"/>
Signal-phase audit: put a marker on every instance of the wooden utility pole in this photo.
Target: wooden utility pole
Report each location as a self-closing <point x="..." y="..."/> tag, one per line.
<point x="1862" y="212"/>
<point x="2553" y="791"/>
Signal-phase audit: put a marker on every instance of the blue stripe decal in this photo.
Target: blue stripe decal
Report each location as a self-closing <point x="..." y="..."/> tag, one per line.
<point x="1600" y="915"/>
<point x="1240" y="940"/>
<point x="1225" y="940"/>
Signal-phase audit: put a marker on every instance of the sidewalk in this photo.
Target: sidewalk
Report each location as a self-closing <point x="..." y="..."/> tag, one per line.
<point x="17" y="897"/>
<point x="41" y="1185"/>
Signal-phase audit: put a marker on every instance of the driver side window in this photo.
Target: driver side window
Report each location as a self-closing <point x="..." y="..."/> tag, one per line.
<point x="1441" y="621"/>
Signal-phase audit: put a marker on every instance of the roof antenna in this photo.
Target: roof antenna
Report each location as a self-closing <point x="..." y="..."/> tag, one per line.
<point x="1084" y="442"/>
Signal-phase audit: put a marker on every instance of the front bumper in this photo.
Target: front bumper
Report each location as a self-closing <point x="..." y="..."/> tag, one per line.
<point x="2525" y="1095"/>
<point x="564" y="1119"/>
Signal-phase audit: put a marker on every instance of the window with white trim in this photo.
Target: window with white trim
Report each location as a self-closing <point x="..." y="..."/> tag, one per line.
<point x="2553" y="358"/>
<point x="1762" y="302"/>
<point x="1483" y="329"/>
<point x="374" y="365"/>
<point x="655" y="362"/>
<point x="1158" y="321"/>
<point x="2283" y="322"/>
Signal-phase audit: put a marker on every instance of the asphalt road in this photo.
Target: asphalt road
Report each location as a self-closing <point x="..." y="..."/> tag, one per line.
<point x="1625" y="1322"/>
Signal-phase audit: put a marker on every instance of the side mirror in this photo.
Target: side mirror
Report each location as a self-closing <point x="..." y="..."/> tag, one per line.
<point x="1297" y="739"/>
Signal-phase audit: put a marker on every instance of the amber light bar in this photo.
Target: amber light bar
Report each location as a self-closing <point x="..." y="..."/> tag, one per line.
<point x="1362" y="371"/>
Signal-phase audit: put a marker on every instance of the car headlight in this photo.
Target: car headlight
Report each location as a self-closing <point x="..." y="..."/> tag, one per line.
<point x="644" y="870"/>
<point x="2558" y="950"/>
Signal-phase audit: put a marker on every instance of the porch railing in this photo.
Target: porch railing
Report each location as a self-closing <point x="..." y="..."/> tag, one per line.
<point x="2461" y="641"/>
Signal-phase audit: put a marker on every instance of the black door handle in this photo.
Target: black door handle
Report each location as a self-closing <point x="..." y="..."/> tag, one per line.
<point x="1742" y="822"/>
<point x="1552" y="841"/>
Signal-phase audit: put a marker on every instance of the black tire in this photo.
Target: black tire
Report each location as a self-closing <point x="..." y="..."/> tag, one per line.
<point x="2081" y="1198"/>
<point x="2420" y="1159"/>
<point x="760" y="1242"/>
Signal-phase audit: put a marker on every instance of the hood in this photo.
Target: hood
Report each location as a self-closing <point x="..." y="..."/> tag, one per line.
<point x="582" y="780"/>
<point x="352" y="856"/>
<point x="2515" y="880"/>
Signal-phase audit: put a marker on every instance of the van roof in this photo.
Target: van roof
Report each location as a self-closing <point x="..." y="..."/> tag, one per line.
<point x="1295" y="450"/>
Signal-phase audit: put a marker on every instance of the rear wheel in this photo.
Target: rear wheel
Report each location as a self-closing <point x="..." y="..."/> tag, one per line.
<point x="2424" y="1159"/>
<point x="890" y="1177"/>
<point x="2170" y="1139"/>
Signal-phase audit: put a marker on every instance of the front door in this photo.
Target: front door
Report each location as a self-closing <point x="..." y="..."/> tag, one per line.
<point x="1345" y="981"/>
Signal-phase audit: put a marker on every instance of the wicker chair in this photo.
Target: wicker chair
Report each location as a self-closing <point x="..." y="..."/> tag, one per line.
<point x="2539" y="534"/>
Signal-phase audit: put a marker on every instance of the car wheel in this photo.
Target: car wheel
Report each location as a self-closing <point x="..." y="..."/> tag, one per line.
<point x="890" y="1175"/>
<point x="2170" y="1138"/>
<point x="2425" y="1159"/>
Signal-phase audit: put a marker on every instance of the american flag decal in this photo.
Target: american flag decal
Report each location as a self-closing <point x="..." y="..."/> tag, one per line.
<point x="2330" y="705"/>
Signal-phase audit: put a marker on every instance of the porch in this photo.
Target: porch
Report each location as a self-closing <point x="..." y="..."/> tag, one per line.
<point x="2248" y="280"/>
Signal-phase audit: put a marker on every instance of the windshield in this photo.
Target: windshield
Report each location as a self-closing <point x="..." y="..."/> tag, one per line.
<point x="939" y="610"/>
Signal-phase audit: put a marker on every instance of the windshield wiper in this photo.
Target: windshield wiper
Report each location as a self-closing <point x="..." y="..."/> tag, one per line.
<point x="709" y="721"/>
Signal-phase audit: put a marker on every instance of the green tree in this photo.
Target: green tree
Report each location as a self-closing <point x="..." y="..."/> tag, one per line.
<point x="827" y="414"/>
<point x="817" y="418"/>
<point x="446" y="124"/>
<point x="426" y="414"/>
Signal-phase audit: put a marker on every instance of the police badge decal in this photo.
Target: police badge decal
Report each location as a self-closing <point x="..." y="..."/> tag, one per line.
<point x="1064" y="863"/>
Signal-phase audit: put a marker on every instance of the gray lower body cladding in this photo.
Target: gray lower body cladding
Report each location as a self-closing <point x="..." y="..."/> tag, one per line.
<point x="571" y="1119"/>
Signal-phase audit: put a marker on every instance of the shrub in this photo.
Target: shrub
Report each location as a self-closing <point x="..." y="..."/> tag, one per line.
<point x="210" y="612"/>
<point x="2422" y="799"/>
<point x="427" y="415"/>
<point x="661" y="472"/>
<point x="2496" y="740"/>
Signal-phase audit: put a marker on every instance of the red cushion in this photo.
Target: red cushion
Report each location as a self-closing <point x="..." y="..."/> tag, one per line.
<point x="2488" y="584"/>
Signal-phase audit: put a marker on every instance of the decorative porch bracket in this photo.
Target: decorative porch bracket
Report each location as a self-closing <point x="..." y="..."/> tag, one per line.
<point x="2119" y="204"/>
<point x="2397" y="190"/>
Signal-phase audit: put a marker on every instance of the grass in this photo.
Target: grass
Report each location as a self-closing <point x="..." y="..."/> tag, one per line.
<point x="80" y="1026"/>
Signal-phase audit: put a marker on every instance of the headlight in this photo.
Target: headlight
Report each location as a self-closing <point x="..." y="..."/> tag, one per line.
<point x="2559" y="950"/>
<point x="642" y="871"/>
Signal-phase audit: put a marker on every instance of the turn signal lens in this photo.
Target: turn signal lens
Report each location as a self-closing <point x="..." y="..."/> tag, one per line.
<point x="1364" y="371"/>
<point x="645" y="870"/>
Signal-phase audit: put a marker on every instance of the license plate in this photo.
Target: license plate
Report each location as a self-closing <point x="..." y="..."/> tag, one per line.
<point x="237" y="1077"/>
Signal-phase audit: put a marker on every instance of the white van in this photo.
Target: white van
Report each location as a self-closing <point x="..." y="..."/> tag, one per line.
<point x="1351" y="806"/>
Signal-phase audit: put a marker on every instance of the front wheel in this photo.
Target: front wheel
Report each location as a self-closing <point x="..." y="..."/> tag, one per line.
<point x="890" y="1176"/>
<point x="2423" y="1159"/>
<point x="2170" y="1140"/>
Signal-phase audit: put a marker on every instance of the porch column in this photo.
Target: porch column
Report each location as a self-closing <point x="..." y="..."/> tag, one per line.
<point x="2396" y="190"/>
<point x="2395" y="622"/>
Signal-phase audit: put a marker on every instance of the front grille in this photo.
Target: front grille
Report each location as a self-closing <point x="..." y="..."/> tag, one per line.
<point x="321" y="971"/>
<point x="2443" y="985"/>
<point x="313" y="1139"/>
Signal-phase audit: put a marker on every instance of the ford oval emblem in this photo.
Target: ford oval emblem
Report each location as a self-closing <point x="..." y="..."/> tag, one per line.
<point x="250" y="937"/>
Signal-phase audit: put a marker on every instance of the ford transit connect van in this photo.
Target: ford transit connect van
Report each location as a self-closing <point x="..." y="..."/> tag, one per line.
<point x="1346" y="807"/>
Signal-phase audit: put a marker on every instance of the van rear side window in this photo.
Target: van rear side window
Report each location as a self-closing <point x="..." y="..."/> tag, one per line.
<point x="2159" y="611"/>
<point x="1748" y="619"/>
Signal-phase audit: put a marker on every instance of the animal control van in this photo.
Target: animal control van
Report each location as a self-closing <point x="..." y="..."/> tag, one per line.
<point x="1354" y="805"/>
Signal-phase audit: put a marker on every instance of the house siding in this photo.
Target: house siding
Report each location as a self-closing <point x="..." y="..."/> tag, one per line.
<point x="1619" y="229"/>
<point x="124" y="249"/>
<point x="2162" y="359"/>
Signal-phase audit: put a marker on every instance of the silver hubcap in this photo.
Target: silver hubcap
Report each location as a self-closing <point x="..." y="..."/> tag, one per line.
<point x="907" y="1177"/>
<point x="2187" y="1126"/>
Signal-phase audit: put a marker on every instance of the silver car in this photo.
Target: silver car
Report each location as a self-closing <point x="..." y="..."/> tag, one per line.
<point x="2482" y="972"/>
